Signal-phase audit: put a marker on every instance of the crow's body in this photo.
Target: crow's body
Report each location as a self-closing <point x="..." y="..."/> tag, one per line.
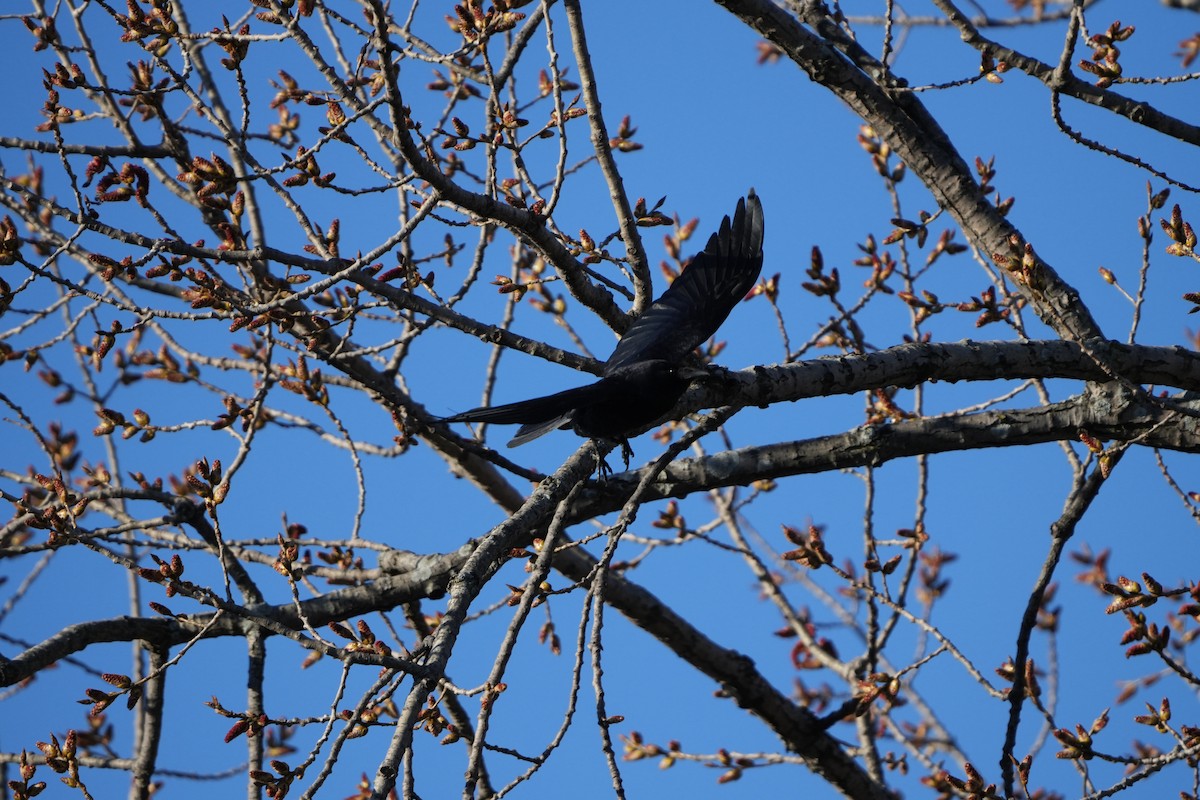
<point x="644" y="377"/>
<point x="630" y="397"/>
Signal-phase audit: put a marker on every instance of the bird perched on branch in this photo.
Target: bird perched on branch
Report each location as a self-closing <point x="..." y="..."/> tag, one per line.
<point x="645" y="375"/>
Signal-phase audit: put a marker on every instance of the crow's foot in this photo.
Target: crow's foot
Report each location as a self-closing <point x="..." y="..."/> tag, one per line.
<point x="626" y="453"/>
<point x="603" y="470"/>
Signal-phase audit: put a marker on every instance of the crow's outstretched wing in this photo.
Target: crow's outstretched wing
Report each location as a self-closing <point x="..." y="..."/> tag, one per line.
<point x="699" y="300"/>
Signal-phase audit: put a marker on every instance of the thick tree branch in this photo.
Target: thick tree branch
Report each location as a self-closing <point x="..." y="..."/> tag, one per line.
<point x="908" y="365"/>
<point x="413" y="577"/>
<point x="737" y="675"/>
<point x="904" y="123"/>
<point x="1066" y="83"/>
<point x="875" y="445"/>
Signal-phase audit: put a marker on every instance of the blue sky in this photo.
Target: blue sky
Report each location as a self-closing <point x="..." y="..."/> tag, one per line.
<point x="713" y="123"/>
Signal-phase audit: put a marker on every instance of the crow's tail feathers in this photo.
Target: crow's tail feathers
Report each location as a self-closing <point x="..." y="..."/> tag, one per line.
<point x="537" y="416"/>
<point x="532" y="430"/>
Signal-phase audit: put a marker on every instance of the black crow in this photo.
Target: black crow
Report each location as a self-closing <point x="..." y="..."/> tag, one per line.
<point x="645" y="376"/>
